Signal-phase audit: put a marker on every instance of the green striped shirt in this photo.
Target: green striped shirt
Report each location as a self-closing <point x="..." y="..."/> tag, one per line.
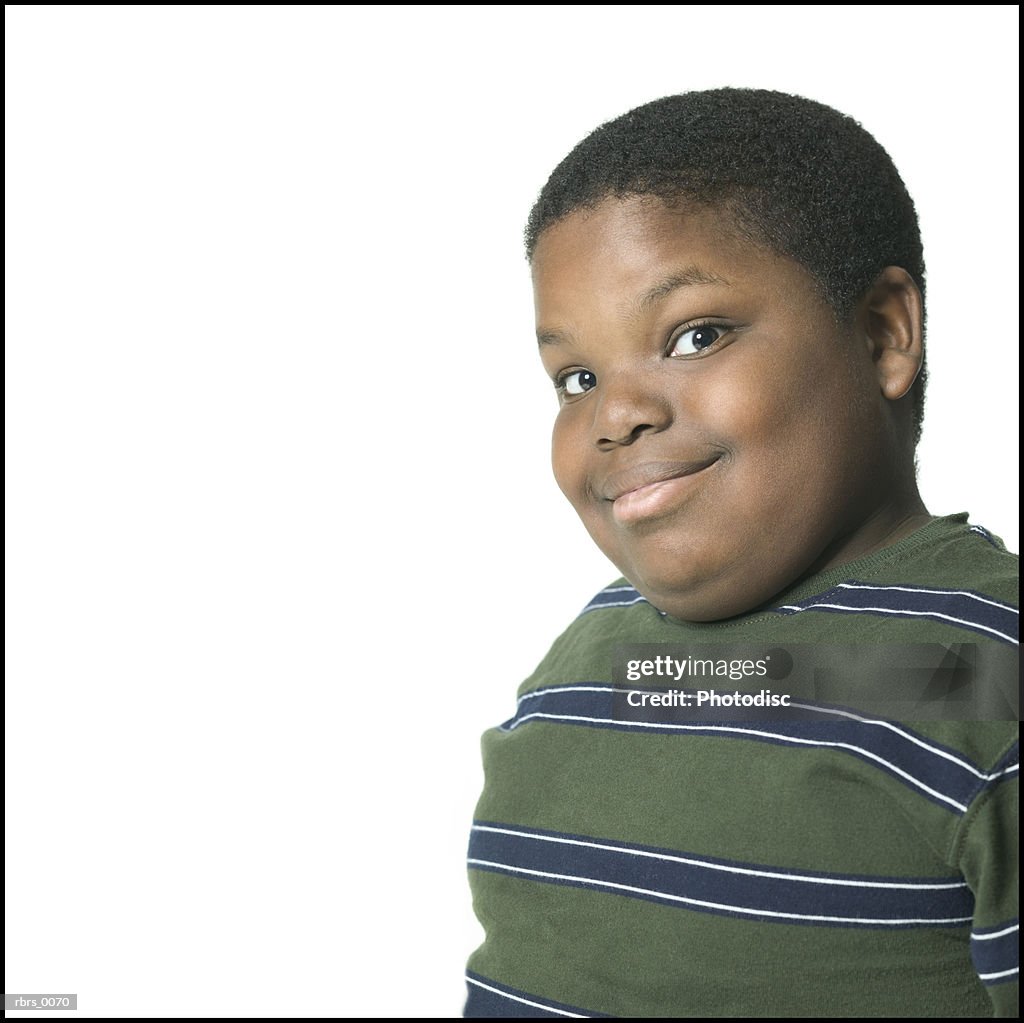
<point x="817" y="861"/>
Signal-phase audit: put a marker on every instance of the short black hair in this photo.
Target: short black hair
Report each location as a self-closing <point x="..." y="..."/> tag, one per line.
<point x="794" y="174"/>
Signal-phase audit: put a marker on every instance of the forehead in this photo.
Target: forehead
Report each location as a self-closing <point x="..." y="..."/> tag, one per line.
<point x="623" y="254"/>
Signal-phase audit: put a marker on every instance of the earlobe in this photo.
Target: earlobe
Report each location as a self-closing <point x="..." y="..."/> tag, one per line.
<point x="892" y="318"/>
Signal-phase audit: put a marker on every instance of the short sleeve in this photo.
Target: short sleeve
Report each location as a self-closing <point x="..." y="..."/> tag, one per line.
<point x="987" y="856"/>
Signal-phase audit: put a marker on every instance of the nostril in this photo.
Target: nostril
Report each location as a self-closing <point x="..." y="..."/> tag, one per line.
<point x="626" y="439"/>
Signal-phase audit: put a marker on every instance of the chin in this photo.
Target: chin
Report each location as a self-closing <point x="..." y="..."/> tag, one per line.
<point x="690" y="608"/>
<point x="708" y="599"/>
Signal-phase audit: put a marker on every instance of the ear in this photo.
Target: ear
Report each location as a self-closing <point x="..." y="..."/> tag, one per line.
<point x="892" y="322"/>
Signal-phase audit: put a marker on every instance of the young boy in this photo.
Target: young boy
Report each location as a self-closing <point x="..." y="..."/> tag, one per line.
<point x="730" y="303"/>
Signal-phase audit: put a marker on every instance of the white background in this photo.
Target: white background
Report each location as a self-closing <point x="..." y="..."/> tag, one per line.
<point x="282" y="538"/>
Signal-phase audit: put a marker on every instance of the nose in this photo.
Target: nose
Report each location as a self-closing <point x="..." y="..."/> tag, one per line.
<point x="628" y="406"/>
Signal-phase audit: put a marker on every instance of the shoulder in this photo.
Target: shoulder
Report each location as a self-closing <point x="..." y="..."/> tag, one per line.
<point x="951" y="579"/>
<point x="957" y="553"/>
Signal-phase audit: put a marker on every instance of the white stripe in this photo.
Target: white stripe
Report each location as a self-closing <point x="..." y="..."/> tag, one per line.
<point x="526" y="1001"/>
<point x="568" y="689"/>
<point x="880" y="722"/>
<point x="996" y="934"/>
<point x="922" y="589"/>
<point x="618" y="589"/>
<point x="996" y="976"/>
<point x="715" y="905"/>
<point x="716" y="866"/>
<point x="614" y="603"/>
<point x="747" y="731"/>
<point x="897" y="611"/>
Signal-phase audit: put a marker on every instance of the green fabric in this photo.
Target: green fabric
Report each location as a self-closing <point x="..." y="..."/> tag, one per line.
<point x="801" y="809"/>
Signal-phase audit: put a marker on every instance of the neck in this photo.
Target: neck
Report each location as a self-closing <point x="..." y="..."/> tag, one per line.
<point x="887" y="524"/>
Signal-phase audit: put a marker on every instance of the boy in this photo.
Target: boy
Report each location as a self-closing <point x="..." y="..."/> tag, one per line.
<point x="729" y="291"/>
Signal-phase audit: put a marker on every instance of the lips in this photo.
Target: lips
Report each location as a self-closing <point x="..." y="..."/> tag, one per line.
<point x="652" y="488"/>
<point x="649" y="473"/>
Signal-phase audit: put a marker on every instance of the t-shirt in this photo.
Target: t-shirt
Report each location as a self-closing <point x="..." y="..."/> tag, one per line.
<point x="738" y="860"/>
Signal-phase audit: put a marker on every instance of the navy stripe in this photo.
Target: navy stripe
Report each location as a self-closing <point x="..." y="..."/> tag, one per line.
<point x="488" y="999"/>
<point x="749" y="891"/>
<point x="995" y="952"/>
<point x="941" y="775"/>
<point x="961" y="609"/>
<point x="614" y="596"/>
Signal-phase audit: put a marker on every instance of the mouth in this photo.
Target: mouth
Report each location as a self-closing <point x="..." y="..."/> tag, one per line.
<point x="654" y="488"/>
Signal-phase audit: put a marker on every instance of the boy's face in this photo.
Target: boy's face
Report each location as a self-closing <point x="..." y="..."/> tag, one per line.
<point x="719" y="434"/>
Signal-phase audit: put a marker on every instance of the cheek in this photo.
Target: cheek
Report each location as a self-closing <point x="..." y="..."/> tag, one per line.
<point x="751" y="408"/>
<point x="783" y="421"/>
<point x="804" y="434"/>
<point x="567" y="455"/>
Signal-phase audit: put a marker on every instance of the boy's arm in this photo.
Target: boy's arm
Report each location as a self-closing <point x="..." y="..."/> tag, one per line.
<point x="986" y="854"/>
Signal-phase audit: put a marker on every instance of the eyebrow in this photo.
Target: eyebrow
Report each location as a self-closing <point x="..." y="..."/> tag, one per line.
<point x="685" y="278"/>
<point x="681" y="279"/>
<point x="549" y="337"/>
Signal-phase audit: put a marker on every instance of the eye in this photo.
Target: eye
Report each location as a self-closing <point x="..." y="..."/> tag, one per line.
<point x="579" y="381"/>
<point x="696" y="339"/>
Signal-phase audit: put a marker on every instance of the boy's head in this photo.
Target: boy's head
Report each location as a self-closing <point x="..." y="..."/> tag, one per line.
<point x="729" y="297"/>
